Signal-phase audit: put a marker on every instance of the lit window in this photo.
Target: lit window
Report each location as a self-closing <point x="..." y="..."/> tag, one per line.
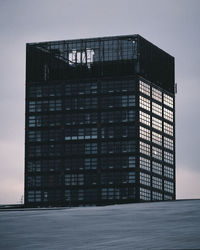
<point x="157" y="94"/>
<point x="168" y="100"/>
<point x="169" y="186"/>
<point x="156" y="123"/>
<point x="145" y="194"/>
<point x="156" y="109"/>
<point x="156" y="196"/>
<point x="156" y="168"/>
<point x="157" y="182"/>
<point x="144" y="103"/>
<point x="168" y="129"/>
<point x="156" y="153"/>
<point x="144" y="118"/>
<point x="145" y="179"/>
<point x="168" y="157"/>
<point x="168" y="143"/>
<point x="168" y="115"/>
<point x="145" y="164"/>
<point x="144" y="148"/>
<point x="168" y="172"/>
<point x="144" y="88"/>
<point x="157" y="138"/>
<point x="144" y="133"/>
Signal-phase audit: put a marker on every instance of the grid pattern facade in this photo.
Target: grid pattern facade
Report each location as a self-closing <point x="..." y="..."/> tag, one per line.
<point x="97" y="132"/>
<point x="157" y="142"/>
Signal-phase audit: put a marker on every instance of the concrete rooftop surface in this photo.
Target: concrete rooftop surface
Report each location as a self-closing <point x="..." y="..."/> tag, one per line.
<point x="159" y="225"/>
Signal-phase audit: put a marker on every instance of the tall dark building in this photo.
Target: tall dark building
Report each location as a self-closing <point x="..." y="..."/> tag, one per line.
<point x="100" y="122"/>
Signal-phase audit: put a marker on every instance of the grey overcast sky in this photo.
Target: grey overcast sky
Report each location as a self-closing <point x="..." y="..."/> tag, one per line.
<point x="173" y="25"/>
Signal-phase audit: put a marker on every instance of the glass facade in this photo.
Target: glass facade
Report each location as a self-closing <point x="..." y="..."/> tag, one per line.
<point x="157" y="140"/>
<point x="96" y="131"/>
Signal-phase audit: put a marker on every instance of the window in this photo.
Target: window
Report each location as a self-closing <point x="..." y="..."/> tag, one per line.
<point x="117" y="116"/>
<point x="144" y="103"/>
<point x="31" y="121"/>
<point x="128" y="101"/>
<point x="35" y="91"/>
<point x="168" y="115"/>
<point x="144" y="148"/>
<point x="90" y="163"/>
<point x="156" y="94"/>
<point x="51" y="105"/>
<point x="118" y="131"/>
<point x="156" y="138"/>
<point x="34" y="181"/>
<point x="117" y="162"/>
<point x="55" y="105"/>
<point x="145" y="163"/>
<point x="128" y="146"/>
<point x="156" y="123"/>
<point x="145" y="194"/>
<point x="156" y="168"/>
<point x="169" y="186"/>
<point x="131" y="177"/>
<point x="168" y="143"/>
<point x="31" y="196"/>
<point x="144" y="118"/>
<point x="145" y="179"/>
<point x="157" y="182"/>
<point x="80" y="133"/>
<point x="168" y="129"/>
<point x="32" y="106"/>
<point x="34" y="136"/>
<point x="81" y="103"/>
<point x="131" y="161"/>
<point x="91" y="148"/>
<point x="168" y="157"/>
<point x="74" y="179"/>
<point x="34" y="166"/>
<point x="34" y="150"/>
<point x="156" y="109"/>
<point x="118" y="101"/>
<point x="168" y="172"/>
<point x="144" y="88"/>
<point x="156" y="196"/>
<point x="34" y="196"/>
<point x="118" y="147"/>
<point x="117" y="86"/>
<point x="116" y="193"/>
<point x="168" y="100"/>
<point x="81" y="118"/>
<point x="157" y="153"/>
<point x="75" y="148"/>
<point x="145" y="133"/>
<point x="167" y="197"/>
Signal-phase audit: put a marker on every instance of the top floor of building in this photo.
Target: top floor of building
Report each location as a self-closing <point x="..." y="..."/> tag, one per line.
<point x="99" y="57"/>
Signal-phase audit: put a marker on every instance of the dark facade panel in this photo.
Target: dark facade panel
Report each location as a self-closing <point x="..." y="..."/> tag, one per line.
<point x="156" y="65"/>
